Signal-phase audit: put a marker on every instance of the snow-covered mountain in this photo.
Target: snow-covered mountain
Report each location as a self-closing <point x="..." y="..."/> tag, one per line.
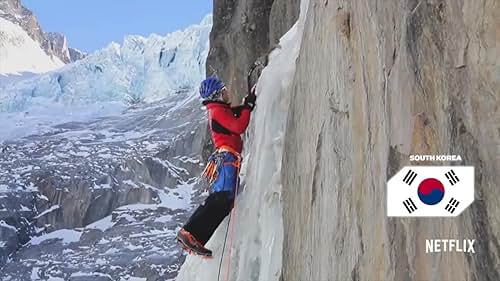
<point x="20" y="53"/>
<point x="15" y="12"/>
<point x="25" y="47"/>
<point x="139" y="70"/>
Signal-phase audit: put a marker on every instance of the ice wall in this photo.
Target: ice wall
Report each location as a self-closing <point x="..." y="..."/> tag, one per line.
<point x="256" y="249"/>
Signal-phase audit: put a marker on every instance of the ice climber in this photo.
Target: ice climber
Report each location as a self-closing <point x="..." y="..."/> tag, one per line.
<point x="222" y="171"/>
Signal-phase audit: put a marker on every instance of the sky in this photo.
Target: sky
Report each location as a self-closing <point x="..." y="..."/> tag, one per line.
<point x="92" y="24"/>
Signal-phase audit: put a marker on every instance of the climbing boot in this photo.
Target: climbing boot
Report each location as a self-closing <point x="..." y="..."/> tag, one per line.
<point x="191" y="245"/>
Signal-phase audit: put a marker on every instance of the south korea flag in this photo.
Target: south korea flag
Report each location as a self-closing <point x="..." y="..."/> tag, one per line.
<point x="430" y="191"/>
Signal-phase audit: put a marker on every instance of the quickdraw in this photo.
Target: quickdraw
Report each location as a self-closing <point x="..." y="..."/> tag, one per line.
<point x="210" y="172"/>
<point x="215" y="161"/>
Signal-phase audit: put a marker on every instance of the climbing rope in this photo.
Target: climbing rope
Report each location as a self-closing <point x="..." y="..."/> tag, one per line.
<point x="223" y="249"/>
<point x="233" y="213"/>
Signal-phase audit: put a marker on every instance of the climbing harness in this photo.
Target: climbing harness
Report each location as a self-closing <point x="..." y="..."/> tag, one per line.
<point x="216" y="160"/>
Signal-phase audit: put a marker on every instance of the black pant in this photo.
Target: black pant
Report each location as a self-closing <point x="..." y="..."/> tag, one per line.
<point x="207" y="217"/>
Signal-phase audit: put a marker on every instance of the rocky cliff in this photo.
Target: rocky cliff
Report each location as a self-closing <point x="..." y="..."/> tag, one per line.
<point x="375" y="81"/>
<point x="58" y="45"/>
<point x="244" y="32"/>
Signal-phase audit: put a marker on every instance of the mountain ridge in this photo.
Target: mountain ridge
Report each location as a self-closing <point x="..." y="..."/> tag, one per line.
<point x="54" y="44"/>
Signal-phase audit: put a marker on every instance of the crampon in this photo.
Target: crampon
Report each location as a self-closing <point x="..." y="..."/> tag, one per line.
<point x="191" y="245"/>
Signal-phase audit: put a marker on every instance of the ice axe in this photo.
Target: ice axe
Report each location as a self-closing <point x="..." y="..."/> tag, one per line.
<point x="249" y="77"/>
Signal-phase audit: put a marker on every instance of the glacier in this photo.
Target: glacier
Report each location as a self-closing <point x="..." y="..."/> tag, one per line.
<point x="253" y="249"/>
<point x="140" y="70"/>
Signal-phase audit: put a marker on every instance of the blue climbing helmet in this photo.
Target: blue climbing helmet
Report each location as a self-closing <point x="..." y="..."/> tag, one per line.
<point x="210" y="88"/>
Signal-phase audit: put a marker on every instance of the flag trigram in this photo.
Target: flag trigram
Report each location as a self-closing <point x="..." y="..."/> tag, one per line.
<point x="410" y="177"/>
<point x="452" y="205"/>
<point x="410" y="205"/>
<point x="452" y="177"/>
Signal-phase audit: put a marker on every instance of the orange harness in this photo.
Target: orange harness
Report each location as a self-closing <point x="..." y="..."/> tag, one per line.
<point x="210" y="171"/>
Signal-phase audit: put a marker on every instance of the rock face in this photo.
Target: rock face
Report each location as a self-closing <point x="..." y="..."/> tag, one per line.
<point x="57" y="44"/>
<point x="244" y="32"/>
<point x="283" y="15"/>
<point x="75" y="54"/>
<point x="377" y="81"/>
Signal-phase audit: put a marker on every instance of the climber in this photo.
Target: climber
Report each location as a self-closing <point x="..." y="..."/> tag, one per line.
<point x="226" y="124"/>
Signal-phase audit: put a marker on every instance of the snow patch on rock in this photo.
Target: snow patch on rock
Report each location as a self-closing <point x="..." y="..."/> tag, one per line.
<point x="66" y="235"/>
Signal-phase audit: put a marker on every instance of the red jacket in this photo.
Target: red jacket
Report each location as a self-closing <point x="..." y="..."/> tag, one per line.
<point x="227" y="123"/>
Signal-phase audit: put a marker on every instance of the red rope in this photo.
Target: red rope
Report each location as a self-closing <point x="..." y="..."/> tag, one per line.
<point x="223" y="249"/>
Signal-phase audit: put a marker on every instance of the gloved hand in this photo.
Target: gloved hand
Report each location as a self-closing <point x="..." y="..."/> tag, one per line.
<point x="249" y="101"/>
